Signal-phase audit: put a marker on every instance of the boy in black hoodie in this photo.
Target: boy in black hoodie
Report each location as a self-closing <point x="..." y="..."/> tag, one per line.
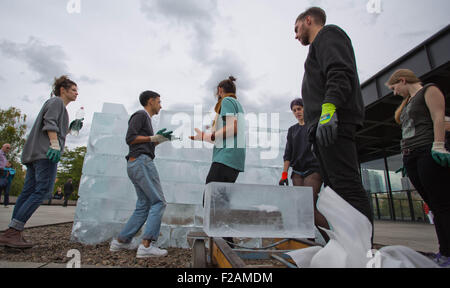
<point x="333" y="105"/>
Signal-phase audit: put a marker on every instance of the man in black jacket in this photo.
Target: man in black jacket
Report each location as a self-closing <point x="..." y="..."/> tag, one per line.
<point x="68" y="190"/>
<point x="333" y="105"/>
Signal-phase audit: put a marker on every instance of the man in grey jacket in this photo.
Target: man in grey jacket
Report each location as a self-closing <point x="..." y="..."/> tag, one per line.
<point x="41" y="154"/>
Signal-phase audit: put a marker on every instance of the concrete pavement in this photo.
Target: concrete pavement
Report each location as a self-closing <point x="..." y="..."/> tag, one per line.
<point x="44" y="215"/>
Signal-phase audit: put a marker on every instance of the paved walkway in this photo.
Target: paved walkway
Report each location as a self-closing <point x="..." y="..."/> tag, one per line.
<point x="418" y="236"/>
<point x="44" y="215"/>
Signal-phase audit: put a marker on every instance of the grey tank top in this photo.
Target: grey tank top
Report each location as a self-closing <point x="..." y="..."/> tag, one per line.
<point x="417" y="124"/>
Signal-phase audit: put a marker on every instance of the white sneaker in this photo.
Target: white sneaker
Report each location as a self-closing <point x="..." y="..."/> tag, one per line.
<point x="117" y="246"/>
<point x="151" y="251"/>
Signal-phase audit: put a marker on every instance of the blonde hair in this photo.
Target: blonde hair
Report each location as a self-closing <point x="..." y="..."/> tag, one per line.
<point x="409" y="76"/>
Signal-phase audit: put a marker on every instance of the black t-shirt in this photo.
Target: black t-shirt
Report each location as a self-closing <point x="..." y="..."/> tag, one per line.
<point x="140" y="124"/>
<point x="298" y="150"/>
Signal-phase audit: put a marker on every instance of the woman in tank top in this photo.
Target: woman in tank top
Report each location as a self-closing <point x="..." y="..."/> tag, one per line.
<point x="427" y="162"/>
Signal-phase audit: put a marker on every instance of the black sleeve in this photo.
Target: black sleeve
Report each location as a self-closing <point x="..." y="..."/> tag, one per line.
<point x="134" y="127"/>
<point x="288" y="150"/>
<point x="337" y="61"/>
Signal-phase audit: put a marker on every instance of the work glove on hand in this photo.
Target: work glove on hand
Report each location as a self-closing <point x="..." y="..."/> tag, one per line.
<point x="284" y="179"/>
<point x="403" y="170"/>
<point x="54" y="151"/>
<point x="76" y="124"/>
<point x="162" y="136"/>
<point x="440" y="154"/>
<point x="327" y="130"/>
<point x="202" y="136"/>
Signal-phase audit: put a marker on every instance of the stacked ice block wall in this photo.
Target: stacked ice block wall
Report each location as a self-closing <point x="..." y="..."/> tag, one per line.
<point x="107" y="197"/>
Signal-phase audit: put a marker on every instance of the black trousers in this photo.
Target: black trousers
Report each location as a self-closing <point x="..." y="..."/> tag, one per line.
<point x="432" y="181"/>
<point x="220" y="173"/>
<point x="339" y="168"/>
<point x="5" y="189"/>
<point x="66" y="199"/>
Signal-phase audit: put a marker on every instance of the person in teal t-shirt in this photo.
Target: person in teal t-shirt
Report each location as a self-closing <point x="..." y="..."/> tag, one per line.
<point x="228" y="136"/>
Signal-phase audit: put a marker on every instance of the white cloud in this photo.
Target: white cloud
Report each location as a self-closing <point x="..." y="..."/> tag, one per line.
<point x="195" y="16"/>
<point x="46" y="61"/>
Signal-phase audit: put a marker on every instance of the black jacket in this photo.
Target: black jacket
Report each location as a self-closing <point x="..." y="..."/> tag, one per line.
<point x="68" y="188"/>
<point x="331" y="77"/>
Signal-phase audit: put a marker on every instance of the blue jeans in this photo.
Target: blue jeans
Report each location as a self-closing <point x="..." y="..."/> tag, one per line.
<point x="40" y="178"/>
<point x="150" y="204"/>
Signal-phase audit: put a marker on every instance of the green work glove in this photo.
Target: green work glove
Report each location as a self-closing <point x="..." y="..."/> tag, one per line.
<point x="165" y="134"/>
<point x="403" y="170"/>
<point x="76" y="125"/>
<point x="54" y="151"/>
<point x="440" y="154"/>
<point x="161" y="136"/>
<point x="327" y="130"/>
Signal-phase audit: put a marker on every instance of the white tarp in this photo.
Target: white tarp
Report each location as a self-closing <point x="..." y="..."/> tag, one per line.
<point x="350" y="246"/>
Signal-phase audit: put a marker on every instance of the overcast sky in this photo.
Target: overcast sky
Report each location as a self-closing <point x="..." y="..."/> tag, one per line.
<point x="115" y="49"/>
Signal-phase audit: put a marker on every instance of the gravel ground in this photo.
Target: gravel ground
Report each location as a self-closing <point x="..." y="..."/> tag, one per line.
<point x="53" y="243"/>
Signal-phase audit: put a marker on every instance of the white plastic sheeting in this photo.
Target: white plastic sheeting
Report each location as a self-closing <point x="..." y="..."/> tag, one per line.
<point x="350" y="245"/>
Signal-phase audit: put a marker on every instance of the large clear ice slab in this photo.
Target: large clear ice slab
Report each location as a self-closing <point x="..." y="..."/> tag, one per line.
<point x="108" y="198"/>
<point x="258" y="211"/>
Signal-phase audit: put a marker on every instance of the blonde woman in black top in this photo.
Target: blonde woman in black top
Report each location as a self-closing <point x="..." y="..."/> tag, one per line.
<point x="421" y="115"/>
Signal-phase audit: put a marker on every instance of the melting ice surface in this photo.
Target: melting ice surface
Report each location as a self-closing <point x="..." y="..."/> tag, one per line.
<point x="108" y="198"/>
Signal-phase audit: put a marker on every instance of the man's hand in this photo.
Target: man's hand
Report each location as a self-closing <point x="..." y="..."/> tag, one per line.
<point x="440" y="154"/>
<point x="54" y="151"/>
<point x="327" y="130"/>
<point x="284" y="179"/>
<point x="161" y="136"/>
<point x="164" y="133"/>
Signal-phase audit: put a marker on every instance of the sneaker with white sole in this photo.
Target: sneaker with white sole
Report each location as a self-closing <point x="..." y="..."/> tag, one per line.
<point x="117" y="246"/>
<point x="151" y="251"/>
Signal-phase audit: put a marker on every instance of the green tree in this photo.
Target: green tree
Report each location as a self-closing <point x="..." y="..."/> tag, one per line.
<point x="70" y="166"/>
<point x="12" y="131"/>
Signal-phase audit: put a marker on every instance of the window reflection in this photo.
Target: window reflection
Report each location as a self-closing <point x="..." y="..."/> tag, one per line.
<point x="373" y="176"/>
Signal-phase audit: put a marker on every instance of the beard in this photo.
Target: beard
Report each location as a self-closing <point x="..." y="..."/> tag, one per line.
<point x="304" y="39"/>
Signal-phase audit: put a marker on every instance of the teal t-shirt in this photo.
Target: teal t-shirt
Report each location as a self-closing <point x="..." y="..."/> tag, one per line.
<point x="231" y="151"/>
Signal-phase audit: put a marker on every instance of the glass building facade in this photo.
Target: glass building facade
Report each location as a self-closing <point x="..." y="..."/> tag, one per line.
<point x="393" y="196"/>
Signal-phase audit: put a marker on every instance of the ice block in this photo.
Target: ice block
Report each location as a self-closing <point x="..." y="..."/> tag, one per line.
<point x="243" y="210"/>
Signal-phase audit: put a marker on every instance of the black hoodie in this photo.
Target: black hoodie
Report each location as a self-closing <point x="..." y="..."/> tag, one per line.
<point x="331" y="77"/>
